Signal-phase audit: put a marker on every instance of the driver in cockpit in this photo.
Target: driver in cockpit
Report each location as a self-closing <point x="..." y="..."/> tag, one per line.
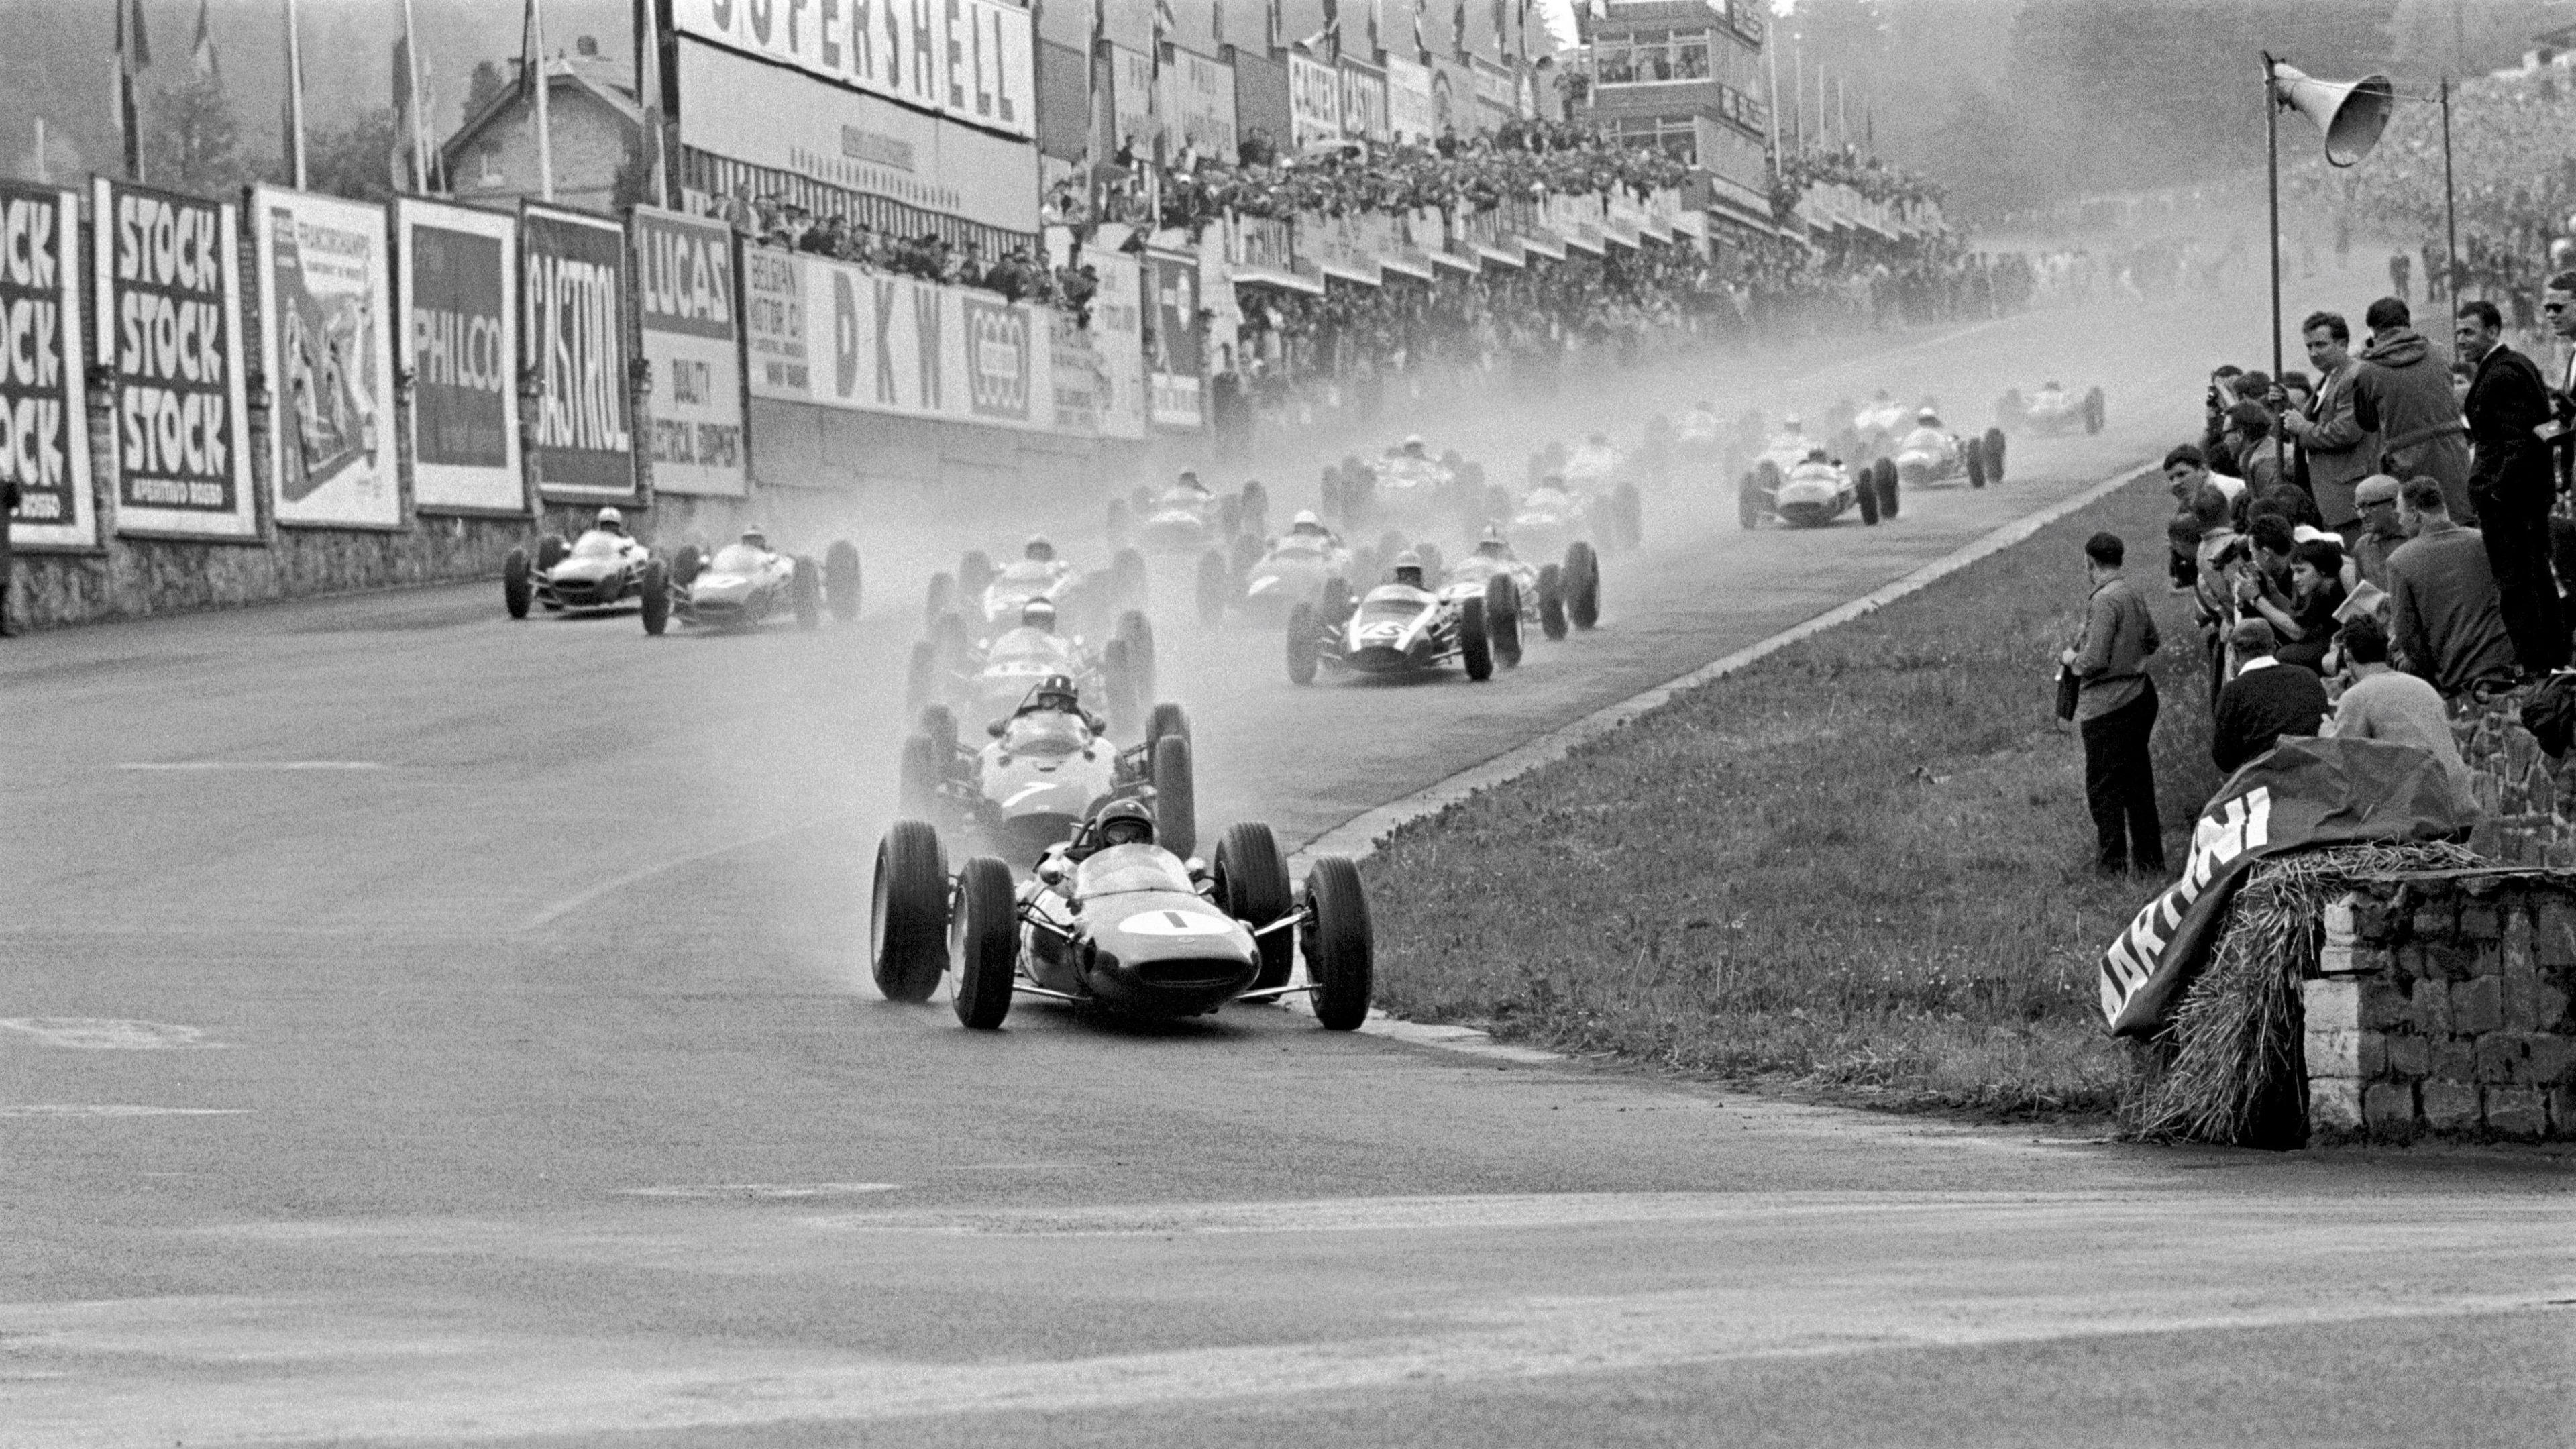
<point x="1492" y="544"/>
<point x="1054" y="695"/>
<point x="1308" y="527"/>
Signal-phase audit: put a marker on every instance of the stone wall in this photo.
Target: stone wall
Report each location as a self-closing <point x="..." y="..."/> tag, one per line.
<point x="2440" y="1009"/>
<point x="2528" y="799"/>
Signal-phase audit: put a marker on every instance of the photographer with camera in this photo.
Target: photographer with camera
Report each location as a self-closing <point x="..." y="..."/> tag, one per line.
<point x="2115" y="710"/>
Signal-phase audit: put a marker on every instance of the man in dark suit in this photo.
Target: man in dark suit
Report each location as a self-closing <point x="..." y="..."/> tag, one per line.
<point x="2511" y="480"/>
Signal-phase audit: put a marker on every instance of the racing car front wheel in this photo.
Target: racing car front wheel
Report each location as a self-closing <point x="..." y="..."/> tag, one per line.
<point x="943" y="592"/>
<point x="1994" y="455"/>
<point x="1883" y="478"/>
<point x="518" y="590"/>
<point x="1167" y="719"/>
<point x="2093" y="412"/>
<point x="1974" y="455"/>
<point x="1867" y="495"/>
<point x="1503" y="619"/>
<point x="1176" y="796"/>
<point x="991" y="942"/>
<point x="805" y="588"/>
<point x="1582" y="585"/>
<point x="1748" y="501"/>
<point x="908" y="913"/>
<point x="940" y="723"/>
<point x="1338" y="944"/>
<point x="1252" y="887"/>
<point x="657" y="597"/>
<point x="1301" y="643"/>
<point x="1551" y="600"/>
<point x="1137" y="628"/>
<point x="1475" y="649"/>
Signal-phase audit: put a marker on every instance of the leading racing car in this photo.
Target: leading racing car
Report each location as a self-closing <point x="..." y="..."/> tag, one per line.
<point x="1120" y="921"/>
<point x="599" y="570"/>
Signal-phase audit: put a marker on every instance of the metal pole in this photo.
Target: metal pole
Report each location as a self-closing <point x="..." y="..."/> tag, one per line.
<point x="295" y="97"/>
<point x="2272" y="150"/>
<point x="2450" y="204"/>
<point x="545" y="119"/>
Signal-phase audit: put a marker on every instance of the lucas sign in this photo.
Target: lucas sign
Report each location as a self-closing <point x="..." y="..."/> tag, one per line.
<point x="168" y="318"/>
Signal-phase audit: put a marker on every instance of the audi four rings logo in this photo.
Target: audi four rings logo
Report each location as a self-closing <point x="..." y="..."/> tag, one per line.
<point x="997" y="366"/>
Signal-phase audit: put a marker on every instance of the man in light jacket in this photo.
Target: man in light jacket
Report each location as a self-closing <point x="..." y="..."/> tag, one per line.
<point x="2115" y="709"/>
<point x="2404" y="390"/>
<point x="2342" y="450"/>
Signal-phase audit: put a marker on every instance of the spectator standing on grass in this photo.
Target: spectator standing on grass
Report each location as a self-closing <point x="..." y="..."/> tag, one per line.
<point x="2405" y="392"/>
<point x="2512" y="483"/>
<point x="2265" y="701"/>
<point x="2444" y="614"/>
<point x="2381" y="530"/>
<point x="2115" y="710"/>
<point x="2341" y="449"/>
<point x="2383" y="704"/>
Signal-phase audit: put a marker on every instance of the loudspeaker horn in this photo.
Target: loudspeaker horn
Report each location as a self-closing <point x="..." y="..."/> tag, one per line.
<point x="2350" y="113"/>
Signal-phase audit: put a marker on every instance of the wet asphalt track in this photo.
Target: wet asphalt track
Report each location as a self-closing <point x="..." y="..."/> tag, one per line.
<point x="488" y="1056"/>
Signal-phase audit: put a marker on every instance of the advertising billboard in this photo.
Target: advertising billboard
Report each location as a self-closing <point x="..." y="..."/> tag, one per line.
<point x="1118" y="336"/>
<point x="460" y="342"/>
<point x="1410" y="114"/>
<point x="167" y="318"/>
<point x="1175" y="371"/>
<point x="970" y="61"/>
<point x="685" y="303"/>
<point x="1199" y="94"/>
<point x="325" y="348"/>
<point x="44" y="432"/>
<point x="572" y="292"/>
<point x="1314" y="101"/>
<point x="832" y="334"/>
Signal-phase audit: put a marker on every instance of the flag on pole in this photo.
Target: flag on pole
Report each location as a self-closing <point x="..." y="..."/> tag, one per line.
<point x="1501" y="29"/>
<point x="1421" y="43"/>
<point x="1274" y="28"/>
<point x="201" y="55"/>
<point x="1377" y="33"/>
<point x="1458" y="24"/>
<point x="133" y="54"/>
<point x="294" y="100"/>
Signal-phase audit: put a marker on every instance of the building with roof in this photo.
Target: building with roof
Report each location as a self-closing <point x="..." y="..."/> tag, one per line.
<point x="1687" y="76"/>
<point x="595" y="126"/>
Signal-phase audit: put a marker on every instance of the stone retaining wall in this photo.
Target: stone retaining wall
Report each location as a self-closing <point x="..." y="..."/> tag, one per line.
<point x="2441" y="1008"/>
<point x="2528" y="798"/>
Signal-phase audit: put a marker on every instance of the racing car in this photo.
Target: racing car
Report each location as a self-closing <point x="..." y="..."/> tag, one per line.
<point x="1045" y="769"/>
<point x="1873" y="427"/>
<point x="1930" y="456"/>
<point x="748" y="583"/>
<point x="1118" y="921"/>
<point x="1401" y="627"/>
<point x="1810" y="493"/>
<point x="1598" y="474"/>
<point x="1186" y="517"/>
<point x="1265" y="580"/>
<point x="601" y="569"/>
<point x="1407" y="489"/>
<point x="988" y="679"/>
<point x="1519" y="592"/>
<point x="2051" y="411"/>
<point x="992" y="598"/>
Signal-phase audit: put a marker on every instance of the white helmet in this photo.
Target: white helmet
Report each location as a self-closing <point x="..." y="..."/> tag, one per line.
<point x="609" y="518"/>
<point x="1926" y="416"/>
<point x="1306" y="519"/>
<point x="1789" y="421"/>
<point x="755" y="537"/>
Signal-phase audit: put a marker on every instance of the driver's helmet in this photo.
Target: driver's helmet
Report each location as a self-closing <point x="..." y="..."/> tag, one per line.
<point x="1306" y="522"/>
<point x="1817" y="455"/>
<point x="1190" y="479"/>
<point x="1927" y="417"/>
<point x="1789" y="423"/>
<point x="1123" y="822"/>
<point x="1056" y="692"/>
<point x="1038" y="549"/>
<point x="756" y="538"/>
<point x="1491" y="543"/>
<point x="1038" y="614"/>
<point x="1413" y="446"/>
<point x="1408" y="569"/>
<point x="609" y="520"/>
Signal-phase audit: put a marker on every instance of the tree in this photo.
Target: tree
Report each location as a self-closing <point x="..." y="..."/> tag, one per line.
<point x="488" y="84"/>
<point x="355" y="161"/>
<point x="192" y="144"/>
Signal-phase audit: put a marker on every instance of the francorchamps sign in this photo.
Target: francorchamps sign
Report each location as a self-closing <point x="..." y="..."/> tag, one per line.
<point x="168" y="319"/>
<point x="684" y="306"/>
<point x="461" y="341"/>
<point x="323" y="345"/>
<point x="835" y="335"/>
<point x="44" y="435"/>
<point x="973" y="61"/>
<point x="573" y="309"/>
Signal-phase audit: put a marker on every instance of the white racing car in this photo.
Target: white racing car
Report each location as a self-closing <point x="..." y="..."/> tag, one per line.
<point x="748" y="583"/>
<point x="1931" y="456"/>
<point x="601" y="569"/>
<point x="1398" y="628"/>
<point x="1045" y="769"/>
<point x="1810" y="493"/>
<point x="1187" y="517"/>
<point x="988" y="680"/>
<point x="2051" y="411"/>
<point x="993" y="598"/>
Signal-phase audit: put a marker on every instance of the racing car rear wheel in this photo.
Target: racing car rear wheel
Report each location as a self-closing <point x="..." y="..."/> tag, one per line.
<point x="1138" y="631"/>
<point x="1867" y="495"/>
<point x="1582" y="585"/>
<point x="518" y="589"/>
<point x="1973" y="454"/>
<point x="1252" y="886"/>
<point x="943" y="592"/>
<point x="1434" y="563"/>
<point x="908" y="913"/>
<point x="991" y="942"/>
<point x="1176" y="796"/>
<point x="1883" y="478"/>
<point x="1994" y="455"/>
<point x="1167" y="719"/>
<point x="1119" y="526"/>
<point x="1301" y="643"/>
<point x="920" y="675"/>
<point x="551" y="550"/>
<point x="1551" y="600"/>
<point x="1475" y="650"/>
<point x="940" y="724"/>
<point x="687" y="562"/>
<point x="1118" y="680"/>
<point x="1215" y="583"/>
<point x="1333" y="603"/>
<point x="1503" y="619"/>
<point x="917" y="780"/>
<point x="1338" y="945"/>
<point x="841" y="579"/>
<point x="657" y="597"/>
<point x="1748" y="501"/>
<point x="974" y="576"/>
<point x="805" y="588"/>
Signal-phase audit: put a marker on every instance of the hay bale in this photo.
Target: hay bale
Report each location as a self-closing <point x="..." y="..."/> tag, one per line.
<point x="2232" y="1077"/>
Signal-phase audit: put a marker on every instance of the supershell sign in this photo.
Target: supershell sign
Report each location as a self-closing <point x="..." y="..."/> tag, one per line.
<point x="972" y="61"/>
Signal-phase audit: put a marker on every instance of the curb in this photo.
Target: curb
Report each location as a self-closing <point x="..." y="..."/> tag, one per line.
<point x="1359" y="837"/>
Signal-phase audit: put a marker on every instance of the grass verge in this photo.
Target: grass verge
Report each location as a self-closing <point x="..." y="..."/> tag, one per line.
<point x="1861" y="865"/>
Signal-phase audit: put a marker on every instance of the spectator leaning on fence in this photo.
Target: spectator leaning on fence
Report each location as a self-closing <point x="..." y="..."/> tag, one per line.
<point x="2115" y="710"/>
<point x="2442" y="606"/>
<point x="2405" y="392"/>
<point x="2265" y="701"/>
<point x="2383" y="704"/>
<point x="2513" y="484"/>
<point x="2341" y="450"/>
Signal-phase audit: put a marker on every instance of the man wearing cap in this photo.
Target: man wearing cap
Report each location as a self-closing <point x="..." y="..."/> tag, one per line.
<point x="2380" y="531"/>
<point x="2265" y="700"/>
